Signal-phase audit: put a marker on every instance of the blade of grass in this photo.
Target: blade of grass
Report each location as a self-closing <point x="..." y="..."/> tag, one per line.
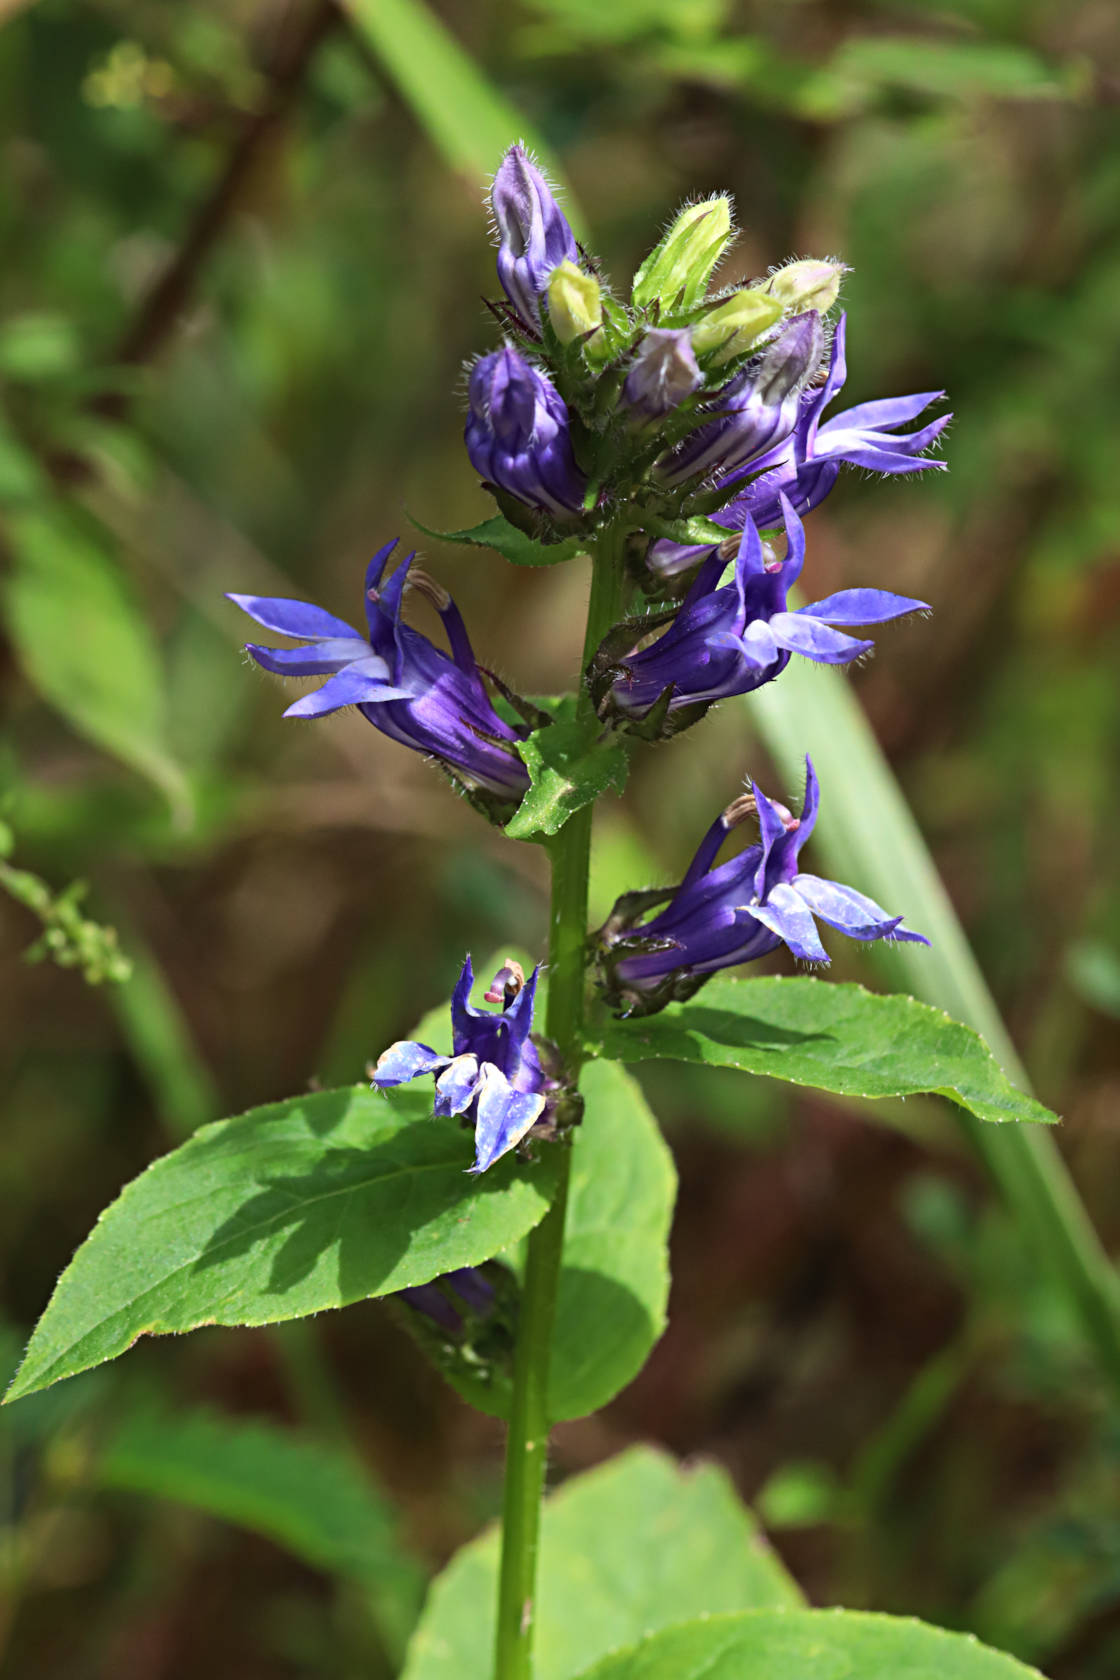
<point x="869" y="837"/>
<point x="465" y="115"/>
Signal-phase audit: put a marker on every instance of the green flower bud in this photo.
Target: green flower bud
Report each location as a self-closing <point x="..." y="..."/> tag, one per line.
<point x="678" y="269"/>
<point x="732" y="326"/>
<point x="575" y="302"/>
<point x="810" y="284"/>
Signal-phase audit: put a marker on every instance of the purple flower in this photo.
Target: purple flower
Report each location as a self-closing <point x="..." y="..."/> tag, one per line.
<point x="731" y="913"/>
<point x="809" y="463"/>
<point x="431" y="701"/>
<point x="517" y="434"/>
<point x="755" y="411"/>
<point x="493" y="1075"/>
<point x="662" y="374"/>
<point x="731" y="639"/>
<point x="444" y="1300"/>
<point x="533" y="233"/>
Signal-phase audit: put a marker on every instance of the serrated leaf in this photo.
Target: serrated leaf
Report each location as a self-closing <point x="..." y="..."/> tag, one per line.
<point x="626" y="1549"/>
<point x="808" y="1645"/>
<point x="288" y="1210"/>
<point x="569" y="765"/>
<point x="513" y="545"/>
<point x="314" y="1499"/>
<point x="832" y="1035"/>
<point x="83" y="642"/>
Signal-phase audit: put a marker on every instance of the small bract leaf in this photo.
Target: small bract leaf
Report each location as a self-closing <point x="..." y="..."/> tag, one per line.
<point x="513" y="545"/>
<point x="306" y="1204"/>
<point x="832" y="1035"/>
<point x="808" y="1645"/>
<point x="570" y="763"/>
<point x="633" y="1546"/>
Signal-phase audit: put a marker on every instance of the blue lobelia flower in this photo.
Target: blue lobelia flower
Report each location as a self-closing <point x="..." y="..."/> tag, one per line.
<point x="730" y="913"/>
<point x="662" y="374"/>
<point x="865" y="436"/>
<point x="518" y="436"/>
<point x="756" y="410"/>
<point x="434" y="702"/>
<point x="493" y="1075"/>
<point x="731" y="638"/>
<point x="533" y="233"/>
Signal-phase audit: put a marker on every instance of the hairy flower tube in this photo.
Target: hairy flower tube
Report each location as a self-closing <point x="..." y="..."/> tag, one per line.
<point x="805" y="465"/>
<point x="865" y="436"/>
<point x="730" y="913"/>
<point x="533" y="233"/>
<point x="755" y="411"/>
<point x="518" y="436"/>
<point x="493" y="1076"/>
<point x="730" y="638"/>
<point x="435" y="702"/>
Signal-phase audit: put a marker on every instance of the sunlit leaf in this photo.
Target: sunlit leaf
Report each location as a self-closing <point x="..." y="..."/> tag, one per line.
<point x="834" y="1036"/>
<point x="626" y="1549"/>
<point x="808" y="1645"/>
<point x="290" y="1209"/>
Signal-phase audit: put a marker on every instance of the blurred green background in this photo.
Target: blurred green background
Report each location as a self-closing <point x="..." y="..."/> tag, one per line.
<point x="245" y="257"/>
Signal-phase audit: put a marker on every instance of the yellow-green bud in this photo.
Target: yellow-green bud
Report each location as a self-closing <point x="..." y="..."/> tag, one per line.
<point x="575" y="302"/>
<point x="678" y="269"/>
<point x="731" y="327"/>
<point x="810" y="284"/>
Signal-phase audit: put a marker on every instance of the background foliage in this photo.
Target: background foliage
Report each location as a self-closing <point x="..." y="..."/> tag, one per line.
<point x="244" y="270"/>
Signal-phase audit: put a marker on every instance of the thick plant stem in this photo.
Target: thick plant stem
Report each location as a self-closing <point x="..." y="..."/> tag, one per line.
<point x="527" y="1442"/>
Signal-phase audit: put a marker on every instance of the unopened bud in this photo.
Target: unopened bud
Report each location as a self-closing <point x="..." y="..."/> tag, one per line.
<point x="663" y="372"/>
<point x="810" y="284"/>
<point x="678" y="269"/>
<point x="733" y="326"/>
<point x="575" y="302"/>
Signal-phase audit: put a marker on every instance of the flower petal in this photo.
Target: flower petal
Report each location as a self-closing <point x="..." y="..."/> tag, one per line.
<point x="862" y="606"/>
<point x="358" y="684"/>
<point x="807" y="636"/>
<point x="785" y="914"/>
<point x="318" y="660"/>
<point x="293" y="618"/>
<point x="503" y="1117"/>
<point x="406" y="1060"/>
<point x="849" y="911"/>
<point x="883" y="414"/>
<point x="457" y="1085"/>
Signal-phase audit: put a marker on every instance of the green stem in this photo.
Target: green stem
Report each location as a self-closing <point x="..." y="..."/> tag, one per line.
<point x="527" y="1441"/>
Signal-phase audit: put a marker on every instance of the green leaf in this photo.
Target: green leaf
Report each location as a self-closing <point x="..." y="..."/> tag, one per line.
<point x="505" y="539"/>
<point x="288" y="1210"/>
<point x="808" y="1645"/>
<point x="834" y="1036"/>
<point x="312" y="1498"/>
<point x="569" y="765"/>
<point x="626" y="1549"/>
<point x="83" y="642"/>
<point x="465" y="115"/>
<point x="614" y="1285"/>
